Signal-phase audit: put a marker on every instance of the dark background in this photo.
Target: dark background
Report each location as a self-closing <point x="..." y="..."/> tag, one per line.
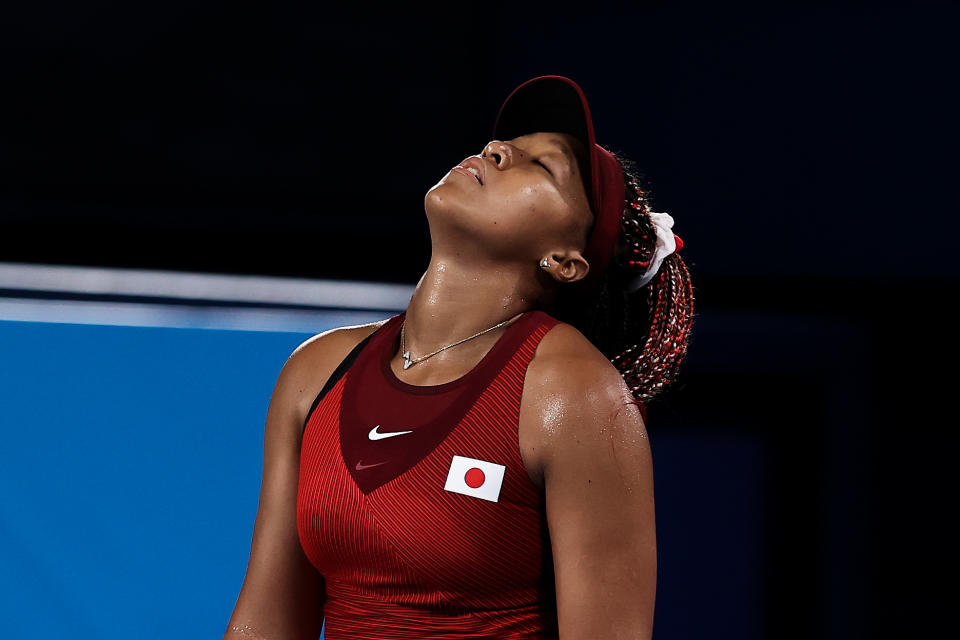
<point x="807" y="155"/>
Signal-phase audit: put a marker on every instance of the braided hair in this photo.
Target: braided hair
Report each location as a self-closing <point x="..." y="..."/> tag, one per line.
<point x="644" y="333"/>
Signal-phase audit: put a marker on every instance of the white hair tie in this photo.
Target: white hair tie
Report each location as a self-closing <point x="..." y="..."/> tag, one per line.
<point x="666" y="244"/>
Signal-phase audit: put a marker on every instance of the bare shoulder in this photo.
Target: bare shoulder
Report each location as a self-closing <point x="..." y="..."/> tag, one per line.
<point x="597" y="473"/>
<point x="564" y="345"/>
<point x="314" y="360"/>
<point x="320" y="345"/>
<point x="568" y="382"/>
<point x="568" y="368"/>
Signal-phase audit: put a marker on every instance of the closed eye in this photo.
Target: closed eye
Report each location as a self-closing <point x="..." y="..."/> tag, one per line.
<point x="544" y="166"/>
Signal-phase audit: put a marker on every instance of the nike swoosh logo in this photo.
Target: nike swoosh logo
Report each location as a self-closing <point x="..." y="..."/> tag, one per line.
<point x="376" y="435"/>
<point x="361" y="466"/>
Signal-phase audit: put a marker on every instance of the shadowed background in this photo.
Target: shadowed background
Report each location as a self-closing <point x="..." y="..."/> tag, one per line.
<point x="805" y="154"/>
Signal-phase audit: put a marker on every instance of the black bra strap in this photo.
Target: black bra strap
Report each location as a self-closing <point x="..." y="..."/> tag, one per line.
<point x="336" y="375"/>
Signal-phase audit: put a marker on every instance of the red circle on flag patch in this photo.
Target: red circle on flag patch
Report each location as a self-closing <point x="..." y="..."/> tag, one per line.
<point x="474" y="478"/>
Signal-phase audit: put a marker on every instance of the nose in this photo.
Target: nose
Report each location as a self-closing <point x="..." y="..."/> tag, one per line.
<point x="499" y="152"/>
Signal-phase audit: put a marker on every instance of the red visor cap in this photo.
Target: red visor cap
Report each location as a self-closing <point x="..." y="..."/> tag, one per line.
<point x="557" y="103"/>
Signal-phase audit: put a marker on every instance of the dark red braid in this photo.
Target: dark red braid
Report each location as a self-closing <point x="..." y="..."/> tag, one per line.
<point x="651" y="364"/>
<point x="644" y="333"/>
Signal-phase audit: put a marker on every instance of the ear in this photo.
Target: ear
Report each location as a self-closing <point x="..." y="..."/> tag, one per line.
<point x="568" y="266"/>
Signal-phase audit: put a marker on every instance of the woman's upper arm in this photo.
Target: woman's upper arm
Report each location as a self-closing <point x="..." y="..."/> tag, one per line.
<point x="283" y="594"/>
<point x="598" y="480"/>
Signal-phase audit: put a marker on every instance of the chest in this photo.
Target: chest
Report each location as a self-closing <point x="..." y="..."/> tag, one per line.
<point x="529" y="432"/>
<point x="467" y="490"/>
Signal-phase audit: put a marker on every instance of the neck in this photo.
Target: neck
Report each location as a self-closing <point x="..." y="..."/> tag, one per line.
<point x="451" y="303"/>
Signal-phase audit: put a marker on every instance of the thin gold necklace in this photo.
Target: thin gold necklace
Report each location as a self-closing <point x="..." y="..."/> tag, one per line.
<point x="408" y="362"/>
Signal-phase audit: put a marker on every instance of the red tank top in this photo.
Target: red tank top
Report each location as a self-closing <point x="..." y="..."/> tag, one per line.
<point x="414" y="502"/>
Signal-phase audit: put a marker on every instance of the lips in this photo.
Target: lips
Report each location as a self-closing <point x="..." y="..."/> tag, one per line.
<point x="467" y="173"/>
<point x="475" y="162"/>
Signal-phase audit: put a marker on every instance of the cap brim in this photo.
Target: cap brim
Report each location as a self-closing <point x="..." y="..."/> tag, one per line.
<point x="547" y="103"/>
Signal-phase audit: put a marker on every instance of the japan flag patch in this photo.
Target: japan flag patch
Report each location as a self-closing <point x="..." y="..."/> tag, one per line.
<point x="477" y="478"/>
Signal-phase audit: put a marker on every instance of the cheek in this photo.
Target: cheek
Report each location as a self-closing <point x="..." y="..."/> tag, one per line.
<point x="529" y="220"/>
<point x="535" y="203"/>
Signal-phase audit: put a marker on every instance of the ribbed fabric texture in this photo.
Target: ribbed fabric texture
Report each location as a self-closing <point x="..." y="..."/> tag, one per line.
<point x="402" y="556"/>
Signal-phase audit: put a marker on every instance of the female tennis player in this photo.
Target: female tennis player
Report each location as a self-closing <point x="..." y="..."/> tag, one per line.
<point x="478" y="466"/>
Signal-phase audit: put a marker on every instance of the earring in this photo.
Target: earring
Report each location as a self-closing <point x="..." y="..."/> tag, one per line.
<point x="546" y="263"/>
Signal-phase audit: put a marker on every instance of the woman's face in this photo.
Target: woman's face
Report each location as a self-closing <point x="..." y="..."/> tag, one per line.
<point x="527" y="200"/>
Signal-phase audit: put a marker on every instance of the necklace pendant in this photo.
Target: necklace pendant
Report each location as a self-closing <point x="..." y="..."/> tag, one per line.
<point x="407" y="362"/>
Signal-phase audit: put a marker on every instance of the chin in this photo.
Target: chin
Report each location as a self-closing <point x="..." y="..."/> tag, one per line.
<point x="443" y="199"/>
